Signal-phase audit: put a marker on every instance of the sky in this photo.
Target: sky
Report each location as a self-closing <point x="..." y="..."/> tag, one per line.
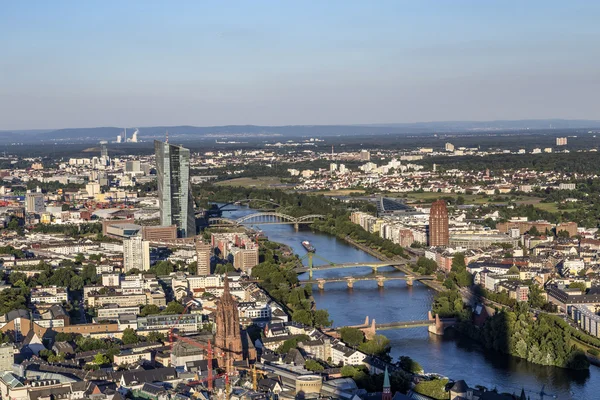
<point x="146" y="63"/>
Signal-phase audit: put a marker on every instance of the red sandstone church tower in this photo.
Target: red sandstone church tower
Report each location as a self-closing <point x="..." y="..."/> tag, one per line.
<point x="438" y="224"/>
<point x="228" y="340"/>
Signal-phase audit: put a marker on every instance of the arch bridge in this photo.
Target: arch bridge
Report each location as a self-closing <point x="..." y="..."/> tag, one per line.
<point x="266" y="218"/>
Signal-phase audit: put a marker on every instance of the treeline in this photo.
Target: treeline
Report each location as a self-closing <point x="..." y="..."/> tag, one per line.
<point x="587" y="163"/>
<point x="292" y="203"/>
<point x="72" y="230"/>
<point x="546" y="340"/>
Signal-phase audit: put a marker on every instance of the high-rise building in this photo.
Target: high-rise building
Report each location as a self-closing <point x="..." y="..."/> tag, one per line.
<point x="561" y="141"/>
<point x="133" y="166"/>
<point x="174" y="190"/>
<point x="449" y="147"/>
<point x="203" y="253"/>
<point x="438" y="224"/>
<point x="103" y="149"/>
<point x="228" y="339"/>
<point x="34" y="202"/>
<point x="136" y="254"/>
<point x="365" y="155"/>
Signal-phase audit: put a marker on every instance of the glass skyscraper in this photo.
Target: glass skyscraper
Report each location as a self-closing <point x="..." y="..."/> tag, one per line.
<point x="174" y="191"/>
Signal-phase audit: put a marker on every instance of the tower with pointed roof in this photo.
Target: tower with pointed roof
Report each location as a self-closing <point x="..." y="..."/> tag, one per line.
<point x="387" y="388"/>
<point x="228" y="340"/>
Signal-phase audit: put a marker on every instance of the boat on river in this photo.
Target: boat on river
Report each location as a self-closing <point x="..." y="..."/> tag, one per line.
<point x="309" y="247"/>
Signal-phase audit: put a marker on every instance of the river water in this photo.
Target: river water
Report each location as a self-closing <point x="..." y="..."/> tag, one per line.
<point x="451" y="355"/>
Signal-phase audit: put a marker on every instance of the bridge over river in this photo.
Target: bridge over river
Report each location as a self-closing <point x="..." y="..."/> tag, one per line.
<point x="381" y="279"/>
<point x="435" y="325"/>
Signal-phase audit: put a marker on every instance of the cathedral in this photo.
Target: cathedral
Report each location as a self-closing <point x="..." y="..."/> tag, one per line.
<point x="229" y="342"/>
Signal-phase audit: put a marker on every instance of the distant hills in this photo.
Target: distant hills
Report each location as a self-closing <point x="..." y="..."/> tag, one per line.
<point x="184" y="133"/>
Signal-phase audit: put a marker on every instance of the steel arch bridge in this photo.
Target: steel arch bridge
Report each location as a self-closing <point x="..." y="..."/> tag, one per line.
<point x="266" y="218"/>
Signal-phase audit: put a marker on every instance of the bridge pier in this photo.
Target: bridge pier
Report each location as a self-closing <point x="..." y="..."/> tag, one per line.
<point x="296" y="227"/>
<point x="321" y="284"/>
<point x="380" y="282"/>
<point x="438" y="328"/>
<point x="350" y="282"/>
<point x="409" y="281"/>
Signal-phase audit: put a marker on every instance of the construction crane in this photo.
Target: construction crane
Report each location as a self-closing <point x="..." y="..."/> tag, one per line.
<point x="208" y="348"/>
<point x="254" y="372"/>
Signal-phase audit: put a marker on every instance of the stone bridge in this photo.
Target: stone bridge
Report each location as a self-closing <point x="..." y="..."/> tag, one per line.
<point x="381" y="279"/>
<point x="435" y="325"/>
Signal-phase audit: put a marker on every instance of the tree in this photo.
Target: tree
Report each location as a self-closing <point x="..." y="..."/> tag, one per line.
<point x="291" y="343"/>
<point x="458" y="262"/>
<point x="101" y="359"/>
<point x="129" y="336"/>
<point x="378" y="345"/>
<point x="303" y="317"/>
<point x="313" y="365"/>
<point x="533" y="231"/>
<point x="353" y="337"/>
<point x="173" y="308"/>
<point x="149" y="309"/>
<point x="321" y="318"/>
<point x="513" y="270"/>
<point x="155" y="337"/>
<point x="348" y="371"/>
<point x="410" y="365"/>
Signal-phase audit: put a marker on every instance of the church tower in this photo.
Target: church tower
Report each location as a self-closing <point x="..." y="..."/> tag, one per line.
<point x="228" y="340"/>
<point x="387" y="389"/>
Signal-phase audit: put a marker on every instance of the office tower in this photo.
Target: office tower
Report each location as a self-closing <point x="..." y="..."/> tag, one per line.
<point x="34" y="202"/>
<point x="103" y="149"/>
<point x="136" y="254"/>
<point x="174" y="190"/>
<point x="438" y="224"/>
<point x="203" y="253"/>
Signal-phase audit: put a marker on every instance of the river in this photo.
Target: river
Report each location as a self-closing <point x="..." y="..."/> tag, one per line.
<point x="451" y="355"/>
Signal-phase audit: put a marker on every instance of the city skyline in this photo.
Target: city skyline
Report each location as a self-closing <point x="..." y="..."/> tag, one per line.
<point x="98" y="64"/>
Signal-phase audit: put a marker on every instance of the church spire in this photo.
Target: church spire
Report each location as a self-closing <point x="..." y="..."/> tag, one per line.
<point x="387" y="390"/>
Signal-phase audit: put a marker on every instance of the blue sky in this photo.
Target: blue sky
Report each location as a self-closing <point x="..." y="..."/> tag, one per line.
<point x="142" y="63"/>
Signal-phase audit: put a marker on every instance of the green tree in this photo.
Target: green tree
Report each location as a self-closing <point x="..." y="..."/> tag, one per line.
<point x="379" y="345"/>
<point x="303" y="317"/>
<point x="101" y="359"/>
<point x="313" y="365"/>
<point x="435" y="389"/>
<point x="155" y="337"/>
<point x="149" y="309"/>
<point x="410" y="365"/>
<point x="353" y="337"/>
<point x="321" y="318"/>
<point x="173" y="308"/>
<point x="129" y="336"/>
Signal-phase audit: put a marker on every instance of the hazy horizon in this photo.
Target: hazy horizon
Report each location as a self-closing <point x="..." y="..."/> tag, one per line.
<point x="137" y="63"/>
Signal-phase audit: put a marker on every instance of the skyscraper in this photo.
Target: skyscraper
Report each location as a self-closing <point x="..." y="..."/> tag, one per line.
<point x="174" y="191"/>
<point x="228" y="339"/>
<point x="438" y="224"/>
